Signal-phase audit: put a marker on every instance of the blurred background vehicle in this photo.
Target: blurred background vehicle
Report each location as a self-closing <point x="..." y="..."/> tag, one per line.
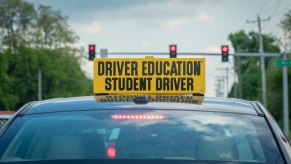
<point x="4" y="117"/>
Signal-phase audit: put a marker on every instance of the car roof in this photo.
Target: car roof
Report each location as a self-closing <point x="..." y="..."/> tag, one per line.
<point x="89" y="103"/>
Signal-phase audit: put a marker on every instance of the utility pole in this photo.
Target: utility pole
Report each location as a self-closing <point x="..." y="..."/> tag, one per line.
<point x="239" y="78"/>
<point x="226" y="69"/>
<point x="261" y="50"/>
<point x="285" y="97"/>
<point x="39" y="85"/>
<point x="219" y="86"/>
<point x="226" y="81"/>
<point x="235" y="75"/>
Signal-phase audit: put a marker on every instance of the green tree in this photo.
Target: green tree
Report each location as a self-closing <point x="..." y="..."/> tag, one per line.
<point x="250" y="67"/>
<point x="251" y="74"/>
<point x="22" y="24"/>
<point x="33" y="40"/>
<point x="16" y="22"/>
<point x="53" y="29"/>
<point x="61" y="76"/>
<point x="7" y="97"/>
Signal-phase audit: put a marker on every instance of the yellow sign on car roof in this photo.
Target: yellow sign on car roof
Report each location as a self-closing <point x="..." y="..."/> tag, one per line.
<point x="152" y="98"/>
<point x="147" y="76"/>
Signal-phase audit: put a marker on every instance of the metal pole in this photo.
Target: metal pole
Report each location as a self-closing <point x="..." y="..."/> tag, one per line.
<point x="263" y="68"/>
<point x="285" y="97"/>
<point x="226" y="81"/>
<point x="239" y="79"/>
<point x="39" y="85"/>
<point x="235" y="76"/>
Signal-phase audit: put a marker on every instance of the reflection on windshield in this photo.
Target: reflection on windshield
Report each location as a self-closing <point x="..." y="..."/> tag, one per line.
<point x="179" y="135"/>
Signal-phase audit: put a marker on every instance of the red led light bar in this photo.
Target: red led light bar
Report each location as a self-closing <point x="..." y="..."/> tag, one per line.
<point x="137" y="117"/>
<point x="111" y="152"/>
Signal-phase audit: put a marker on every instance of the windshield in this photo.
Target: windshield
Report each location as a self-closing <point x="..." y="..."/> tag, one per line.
<point x="128" y="134"/>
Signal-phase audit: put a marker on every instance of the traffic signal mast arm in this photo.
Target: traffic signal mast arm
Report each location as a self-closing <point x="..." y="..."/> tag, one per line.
<point x="193" y="54"/>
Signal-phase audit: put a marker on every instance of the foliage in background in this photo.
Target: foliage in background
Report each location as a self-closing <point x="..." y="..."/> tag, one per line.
<point x="251" y="71"/>
<point x="32" y="39"/>
<point x="22" y="24"/>
<point x="250" y="66"/>
<point x="61" y="76"/>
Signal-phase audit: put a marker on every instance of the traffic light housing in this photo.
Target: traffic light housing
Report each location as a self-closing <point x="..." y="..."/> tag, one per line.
<point x="92" y="52"/>
<point x="173" y="51"/>
<point x="224" y="53"/>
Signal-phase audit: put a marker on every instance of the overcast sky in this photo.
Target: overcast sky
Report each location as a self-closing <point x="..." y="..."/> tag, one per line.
<point x="151" y="25"/>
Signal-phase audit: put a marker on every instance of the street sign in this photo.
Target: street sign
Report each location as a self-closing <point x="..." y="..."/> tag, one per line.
<point x="147" y="76"/>
<point x="282" y="63"/>
<point x="256" y="54"/>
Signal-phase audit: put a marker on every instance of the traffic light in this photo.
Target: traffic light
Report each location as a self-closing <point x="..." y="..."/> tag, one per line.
<point x="173" y="51"/>
<point x="92" y="52"/>
<point x="224" y="53"/>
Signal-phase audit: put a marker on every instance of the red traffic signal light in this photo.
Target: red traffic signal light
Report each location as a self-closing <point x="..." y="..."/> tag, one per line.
<point x="224" y="53"/>
<point x="173" y="48"/>
<point x="92" y="52"/>
<point x="224" y="49"/>
<point x="173" y="51"/>
<point x="91" y="47"/>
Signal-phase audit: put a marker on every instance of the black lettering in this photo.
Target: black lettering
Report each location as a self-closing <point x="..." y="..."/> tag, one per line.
<point x="114" y="68"/>
<point x="121" y="84"/>
<point x="159" y="68"/>
<point x="134" y="68"/>
<point x="108" y="84"/>
<point x="173" y="69"/>
<point x="120" y="67"/>
<point x="166" y="65"/>
<point x="197" y="68"/>
<point x="166" y="84"/>
<point x="149" y="83"/>
<point x="144" y="68"/>
<point x="189" y="68"/>
<point x="176" y="83"/>
<point x="190" y="83"/>
<point x="114" y="83"/>
<point x="108" y="68"/>
<point x="142" y="84"/>
<point x="127" y="68"/>
<point x="151" y="68"/>
<point x="184" y="68"/>
<point x="128" y="84"/>
<point x="183" y="84"/>
<point x="135" y="84"/>
<point x="179" y="67"/>
<point x="100" y="68"/>
<point x="158" y="84"/>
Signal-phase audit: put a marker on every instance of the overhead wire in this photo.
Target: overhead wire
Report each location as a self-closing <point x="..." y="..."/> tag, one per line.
<point x="276" y="6"/>
<point x="288" y="7"/>
<point x="275" y="9"/>
<point x="264" y="4"/>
